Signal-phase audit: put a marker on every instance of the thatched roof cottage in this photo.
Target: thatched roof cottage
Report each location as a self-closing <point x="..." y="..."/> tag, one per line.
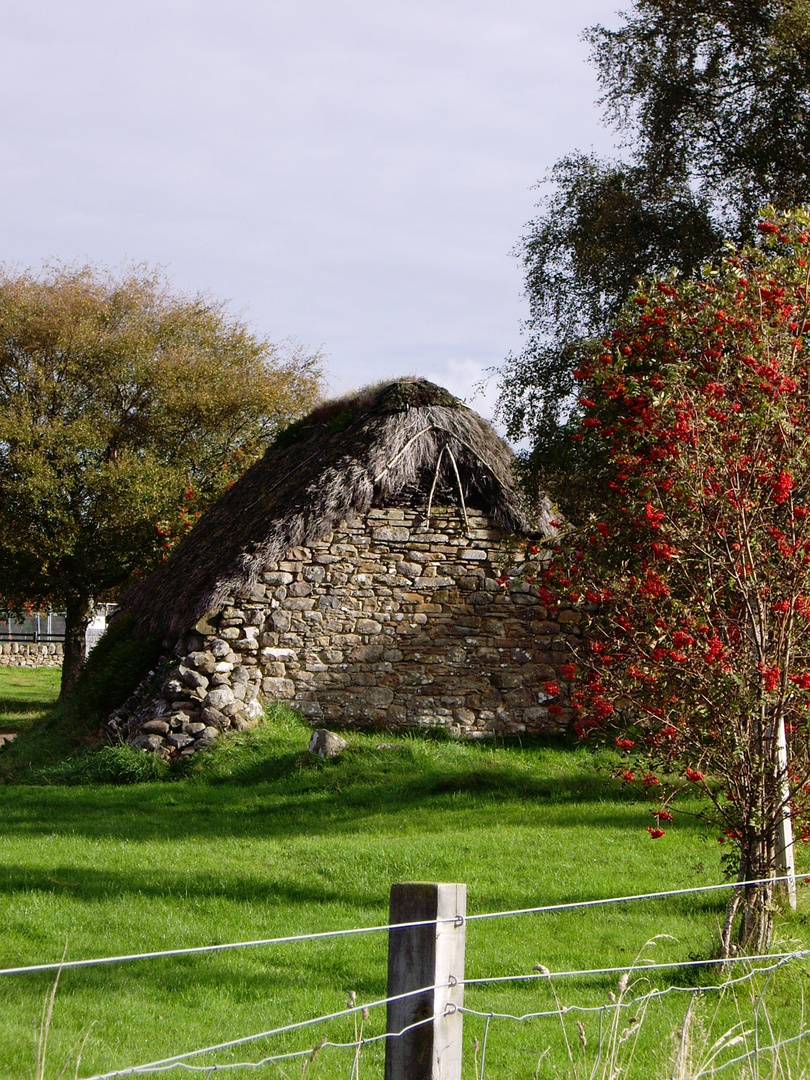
<point x="354" y="572"/>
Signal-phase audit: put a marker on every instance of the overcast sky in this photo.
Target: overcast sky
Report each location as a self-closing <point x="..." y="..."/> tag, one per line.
<point x="350" y="173"/>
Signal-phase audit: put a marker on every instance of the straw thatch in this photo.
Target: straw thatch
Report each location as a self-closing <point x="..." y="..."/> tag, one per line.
<point x="387" y="446"/>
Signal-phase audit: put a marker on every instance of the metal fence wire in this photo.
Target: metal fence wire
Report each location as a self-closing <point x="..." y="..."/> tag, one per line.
<point x="615" y="1022"/>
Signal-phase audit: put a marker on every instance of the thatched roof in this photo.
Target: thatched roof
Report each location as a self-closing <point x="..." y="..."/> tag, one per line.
<point x="377" y="448"/>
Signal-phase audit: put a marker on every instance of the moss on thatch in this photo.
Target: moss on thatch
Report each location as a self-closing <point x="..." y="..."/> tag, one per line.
<point x="343" y="459"/>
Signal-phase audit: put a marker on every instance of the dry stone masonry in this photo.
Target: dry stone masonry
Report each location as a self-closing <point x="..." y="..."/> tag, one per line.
<point x="388" y="622"/>
<point x="26" y="654"/>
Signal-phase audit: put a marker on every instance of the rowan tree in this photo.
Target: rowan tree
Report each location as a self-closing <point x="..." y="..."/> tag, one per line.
<point x="125" y="408"/>
<point x="692" y="555"/>
<point x="710" y="101"/>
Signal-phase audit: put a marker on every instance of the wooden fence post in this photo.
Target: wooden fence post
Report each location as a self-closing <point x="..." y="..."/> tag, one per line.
<point x="426" y="956"/>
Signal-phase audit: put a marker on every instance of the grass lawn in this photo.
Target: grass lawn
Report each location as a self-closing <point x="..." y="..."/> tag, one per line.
<point x="261" y="842"/>
<point x="26" y="694"/>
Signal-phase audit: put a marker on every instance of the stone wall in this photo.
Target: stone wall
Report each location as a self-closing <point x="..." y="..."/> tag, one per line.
<point x="383" y="624"/>
<point x="27" y="654"/>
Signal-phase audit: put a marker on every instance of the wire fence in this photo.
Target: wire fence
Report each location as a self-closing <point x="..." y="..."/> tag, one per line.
<point x="386" y="927"/>
<point x="741" y="1044"/>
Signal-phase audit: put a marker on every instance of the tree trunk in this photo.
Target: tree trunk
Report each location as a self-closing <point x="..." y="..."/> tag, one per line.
<point x="77" y="619"/>
<point x="754" y="904"/>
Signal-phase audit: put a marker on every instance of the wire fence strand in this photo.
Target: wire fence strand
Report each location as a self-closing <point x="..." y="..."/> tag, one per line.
<point x="386" y="927"/>
<point x="311" y="1052"/>
<point x="668" y="965"/>
<point x="601" y="902"/>
<point x="200" y="949"/>
<point x="654" y="994"/>
<point x="176" y="1059"/>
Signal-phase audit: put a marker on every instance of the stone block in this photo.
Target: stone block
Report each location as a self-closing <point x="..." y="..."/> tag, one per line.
<point x="310" y="709"/>
<point x="366" y="654"/>
<point x="426" y="582"/>
<point x="219" y="698"/>
<point x="253" y="710"/>
<point x="276" y="655"/>
<point x="278" y="688"/>
<point x="326" y="744"/>
<point x="409" y="569"/>
<point x="278" y="577"/>
<point x="568" y="617"/>
<point x="203" y="661"/>
<point x="378" y="697"/>
<point x="298" y="554"/>
<point x="179" y="740"/>
<point x="233" y="614"/>
<point x="505" y="680"/>
<point x="192" y="677"/>
<point x="214" y="718"/>
<point x="388" y="533"/>
<point x="153" y="743"/>
<point x="274" y="670"/>
<point x="155" y="727"/>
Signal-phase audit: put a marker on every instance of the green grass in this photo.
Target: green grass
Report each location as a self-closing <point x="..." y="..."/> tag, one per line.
<point x="257" y="841"/>
<point x="26" y="695"/>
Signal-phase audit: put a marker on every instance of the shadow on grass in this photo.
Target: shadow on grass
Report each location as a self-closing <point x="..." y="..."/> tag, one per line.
<point x="319" y="801"/>
<point x="88" y="885"/>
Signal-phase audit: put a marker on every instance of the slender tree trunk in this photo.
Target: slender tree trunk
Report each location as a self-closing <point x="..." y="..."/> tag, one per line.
<point x="756" y="918"/>
<point x="754" y="904"/>
<point x="751" y="907"/>
<point x="77" y="619"/>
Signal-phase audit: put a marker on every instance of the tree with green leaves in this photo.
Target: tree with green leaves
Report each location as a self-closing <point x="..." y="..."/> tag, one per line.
<point x="711" y="101"/>
<point x="125" y="409"/>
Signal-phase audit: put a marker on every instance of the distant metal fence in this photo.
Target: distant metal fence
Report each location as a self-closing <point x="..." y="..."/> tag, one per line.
<point x="40" y="627"/>
<point x="48" y="627"/>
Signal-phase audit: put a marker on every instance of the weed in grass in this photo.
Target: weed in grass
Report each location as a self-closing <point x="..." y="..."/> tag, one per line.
<point x="45" y="1027"/>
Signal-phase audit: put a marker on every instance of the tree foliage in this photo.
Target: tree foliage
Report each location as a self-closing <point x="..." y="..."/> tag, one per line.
<point x="711" y="101"/>
<point x="125" y="409"/>
<point x="692" y="558"/>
